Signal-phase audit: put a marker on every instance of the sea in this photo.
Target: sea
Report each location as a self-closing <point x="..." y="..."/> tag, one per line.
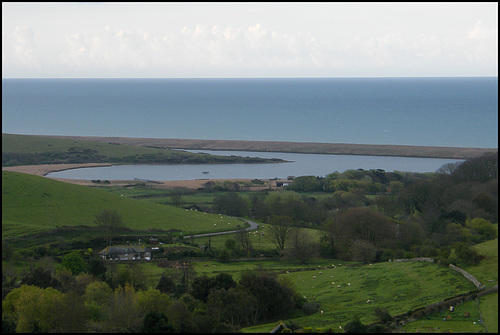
<point x="451" y="112"/>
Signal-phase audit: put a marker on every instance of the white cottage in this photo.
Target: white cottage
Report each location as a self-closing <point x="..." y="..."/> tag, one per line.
<point x="126" y="253"/>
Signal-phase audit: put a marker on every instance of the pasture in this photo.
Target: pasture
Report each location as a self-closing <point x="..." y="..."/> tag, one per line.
<point x="32" y="204"/>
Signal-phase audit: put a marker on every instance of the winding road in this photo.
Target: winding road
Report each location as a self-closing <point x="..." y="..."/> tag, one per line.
<point x="253" y="226"/>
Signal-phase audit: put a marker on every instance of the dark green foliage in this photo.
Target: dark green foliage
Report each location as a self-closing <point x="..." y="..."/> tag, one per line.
<point x="382" y="315"/>
<point x="74" y="262"/>
<point x="274" y="300"/>
<point x="235" y="307"/>
<point x="355" y="326"/>
<point x="97" y="268"/>
<point x="156" y="322"/>
<point x="231" y="204"/>
<point x="306" y="184"/>
<point x="40" y="277"/>
<point x="480" y="169"/>
<point x="202" y="285"/>
<point x="8" y="324"/>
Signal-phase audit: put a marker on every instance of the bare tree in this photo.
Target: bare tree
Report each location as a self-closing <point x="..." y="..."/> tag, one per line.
<point x="303" y="245"/>
<point x="108" y="221"/>
<point x="279" y="230"/>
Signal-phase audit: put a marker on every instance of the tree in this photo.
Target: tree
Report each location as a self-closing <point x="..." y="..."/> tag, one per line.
<point x="40" y="277"/>
<point x="243" y="237"/>
<point x="152" y="300"/>
<point x="97" y="268"/>
<point x="233" y="306"/>
<point x="273" y="299"/>
<point x="382" y="314"/>
<point x="166" y="284"/>
<point x="177" y="200"/>
<point x="156" y="322"/>
<point x="203" y="285"/>
<point x="35" y="308"/>
<point x="279" y="230"/>
<point x="302" y="245"/>
<point x="306" y="184"/>
<point x="108" y="221"/>
<point x="97" y="292"/>
<point x="231" y="204"/>
<point x="122" y="312"/>
<point x="480" y="169"/>
<point x="355" y="326"/>
<point x="180" y="317"/>
<point x="482" y="227"/>
<point x="74" y="262"/>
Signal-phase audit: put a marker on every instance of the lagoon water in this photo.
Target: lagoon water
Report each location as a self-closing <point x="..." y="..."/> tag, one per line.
<point x="301" y="165"/>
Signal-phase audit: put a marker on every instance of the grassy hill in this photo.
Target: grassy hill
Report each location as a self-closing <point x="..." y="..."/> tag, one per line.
<point x="30" y="149"/>
<point x="32" y="204"/>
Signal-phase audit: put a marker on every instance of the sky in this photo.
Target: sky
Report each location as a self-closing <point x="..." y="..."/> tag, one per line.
<point x="249" y="40"/>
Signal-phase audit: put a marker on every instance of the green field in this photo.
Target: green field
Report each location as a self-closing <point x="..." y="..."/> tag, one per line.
<point x="32" y="204"/>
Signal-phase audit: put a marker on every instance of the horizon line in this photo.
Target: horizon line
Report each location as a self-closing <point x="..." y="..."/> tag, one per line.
<point x="312" y="77"/>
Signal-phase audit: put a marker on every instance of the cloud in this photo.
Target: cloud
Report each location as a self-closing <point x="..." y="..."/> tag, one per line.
<point x="254" y="50"/>
<point x="481" y="31"/>
<point x="194" y="48"/>
<point x="24" y="46"/>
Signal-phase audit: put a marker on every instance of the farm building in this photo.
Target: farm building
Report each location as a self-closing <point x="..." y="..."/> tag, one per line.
<point x="126" y="253"/>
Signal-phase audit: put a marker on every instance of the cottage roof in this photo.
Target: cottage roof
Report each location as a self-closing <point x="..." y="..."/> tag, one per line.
<point x="124" y="249"/>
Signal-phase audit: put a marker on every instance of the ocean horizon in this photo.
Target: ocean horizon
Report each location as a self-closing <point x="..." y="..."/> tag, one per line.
<point x="448" y="112"/>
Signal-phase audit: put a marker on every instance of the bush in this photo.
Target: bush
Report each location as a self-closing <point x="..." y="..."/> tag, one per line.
<point x="382" y="315"/>
<point x="310" y="307"/>
<point x="355" y="326"/>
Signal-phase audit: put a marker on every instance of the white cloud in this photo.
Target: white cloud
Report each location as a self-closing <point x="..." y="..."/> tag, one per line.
<point x="24" y="46"/>
<point x="295" y="40"/>
<point x="481" y="31"/>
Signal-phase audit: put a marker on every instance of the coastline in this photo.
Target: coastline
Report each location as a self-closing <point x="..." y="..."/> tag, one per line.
<point x="293" y="147"/>
<point x="255" y="146"/>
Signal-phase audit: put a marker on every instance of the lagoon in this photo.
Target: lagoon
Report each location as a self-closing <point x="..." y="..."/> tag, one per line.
<point x="299" y="165"/>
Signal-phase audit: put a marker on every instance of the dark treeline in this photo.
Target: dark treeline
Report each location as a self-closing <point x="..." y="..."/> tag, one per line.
<point x="373" y="215"/>
<point x="77" y="155"/>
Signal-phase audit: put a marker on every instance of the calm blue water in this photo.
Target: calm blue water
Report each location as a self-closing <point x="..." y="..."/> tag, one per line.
<point x="457" y="112"/>
<point x="301" y="165"/>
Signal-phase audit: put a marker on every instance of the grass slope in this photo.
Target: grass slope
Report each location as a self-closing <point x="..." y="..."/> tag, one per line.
<point x="31" y="149"/>
<point x="32" y="204"/>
